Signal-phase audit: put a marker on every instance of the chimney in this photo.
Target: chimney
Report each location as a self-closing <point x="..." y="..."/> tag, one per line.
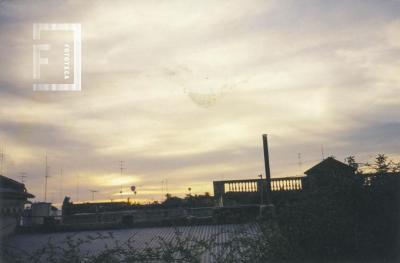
<point x="267" y="170"/>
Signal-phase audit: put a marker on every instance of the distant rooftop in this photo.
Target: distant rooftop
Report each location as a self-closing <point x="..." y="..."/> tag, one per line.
<point x="329" y="163"/>
<point x="11" y="188"/>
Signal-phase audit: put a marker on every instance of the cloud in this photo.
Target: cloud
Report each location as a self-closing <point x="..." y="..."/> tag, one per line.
<point x="308" y="74"/>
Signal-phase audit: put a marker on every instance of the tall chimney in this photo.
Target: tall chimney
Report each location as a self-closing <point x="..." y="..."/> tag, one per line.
<point x="267" y="170"/>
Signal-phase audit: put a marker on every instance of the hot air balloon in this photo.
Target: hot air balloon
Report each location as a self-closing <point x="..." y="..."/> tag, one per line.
<point x="133" y="188"/>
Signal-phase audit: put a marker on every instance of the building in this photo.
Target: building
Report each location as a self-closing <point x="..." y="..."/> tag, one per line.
<point x="322" y="174"/>
<point x="42" y="213"/>
<point x="13" y="197"/>
<point x="327" y="173"/>
<point x="330" y="166"/>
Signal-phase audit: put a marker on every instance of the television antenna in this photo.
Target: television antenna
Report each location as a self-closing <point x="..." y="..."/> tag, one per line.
<point x="1" y="161"/>
<point x="46" y="176"/>
<point x="299" y="161"/>
<point x="61" y="184"/>
<point x="122" y="168"/>
<point x="93" y="192"/>
<point x="22" y="176"/>
<point x="77" y="187"/>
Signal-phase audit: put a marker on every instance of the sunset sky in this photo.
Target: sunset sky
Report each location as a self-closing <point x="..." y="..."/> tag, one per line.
<point x="183" y="90"/>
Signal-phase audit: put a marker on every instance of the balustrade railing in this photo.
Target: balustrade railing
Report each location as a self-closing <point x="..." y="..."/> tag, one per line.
<point x="253" y="185"/>
<point x="241" y="186"/>
<point x="287" y="183"/>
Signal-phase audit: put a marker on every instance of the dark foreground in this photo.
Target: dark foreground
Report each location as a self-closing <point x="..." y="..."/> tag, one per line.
<point x="207" y="243"/>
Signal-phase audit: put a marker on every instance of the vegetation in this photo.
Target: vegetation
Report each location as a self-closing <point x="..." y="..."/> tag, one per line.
<point x="381" y="164"/>
<point x="240" y="246"/>
<point x="345" y="220"/>
<point x="205" y="200"/>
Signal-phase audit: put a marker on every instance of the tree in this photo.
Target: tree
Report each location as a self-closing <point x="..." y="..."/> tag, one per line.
<point x="394" y="167"/>
<point x="381" y="164"/>
<point x="321" y="222"/>
<point x="351" y="161"/>
<point x="173" y="201"/>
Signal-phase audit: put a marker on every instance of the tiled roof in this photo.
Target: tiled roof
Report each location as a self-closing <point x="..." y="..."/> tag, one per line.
<point x="142" y="236"/>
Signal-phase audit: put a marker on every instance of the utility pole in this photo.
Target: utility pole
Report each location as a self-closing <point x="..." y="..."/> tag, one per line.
<point x="93" y="192"/>
<point x="46" y="175"/>
<point x="322" y="152"/>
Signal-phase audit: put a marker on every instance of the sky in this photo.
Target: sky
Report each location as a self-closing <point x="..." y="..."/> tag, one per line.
<point x="182" y="91"/>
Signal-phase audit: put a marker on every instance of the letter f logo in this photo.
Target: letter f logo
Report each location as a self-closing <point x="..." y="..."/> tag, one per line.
<point x="38" y="60"/>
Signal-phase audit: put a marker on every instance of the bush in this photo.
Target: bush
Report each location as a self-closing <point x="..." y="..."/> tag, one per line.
<point x="342" y="220"/>
<point x="239" y="245"/>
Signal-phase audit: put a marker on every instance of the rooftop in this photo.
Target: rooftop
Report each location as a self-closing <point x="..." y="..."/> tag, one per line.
<point x="330" y="163"/>
<point x="142" y="237"/>
<point x="12" y="188"/>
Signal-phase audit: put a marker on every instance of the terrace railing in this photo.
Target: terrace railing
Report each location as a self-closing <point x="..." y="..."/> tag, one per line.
<point x="294" y="183"/>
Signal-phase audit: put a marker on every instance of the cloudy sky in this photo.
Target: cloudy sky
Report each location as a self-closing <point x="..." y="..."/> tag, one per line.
<point x="182" y="91"/>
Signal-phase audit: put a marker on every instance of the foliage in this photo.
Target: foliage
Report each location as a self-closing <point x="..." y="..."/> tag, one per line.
<point x="381" y="164"/>
<point x="351" y="161"/>
<point x="341" y="219"/>
<point x="240" y="246"/>
<point x="189" y="201"/>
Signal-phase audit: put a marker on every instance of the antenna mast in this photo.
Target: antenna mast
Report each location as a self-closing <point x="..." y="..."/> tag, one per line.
<point x="22" y="176"/>
<point x="1" y="159"/>
<point x="77" y="187"/>
<point x="300" y="162"/>
<point x="61" y="184"/>
<point x="121" y="167"/>
<point x="162" y="189"/>
<point x="93" y="192"/>
<point x="45" y="179"/>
